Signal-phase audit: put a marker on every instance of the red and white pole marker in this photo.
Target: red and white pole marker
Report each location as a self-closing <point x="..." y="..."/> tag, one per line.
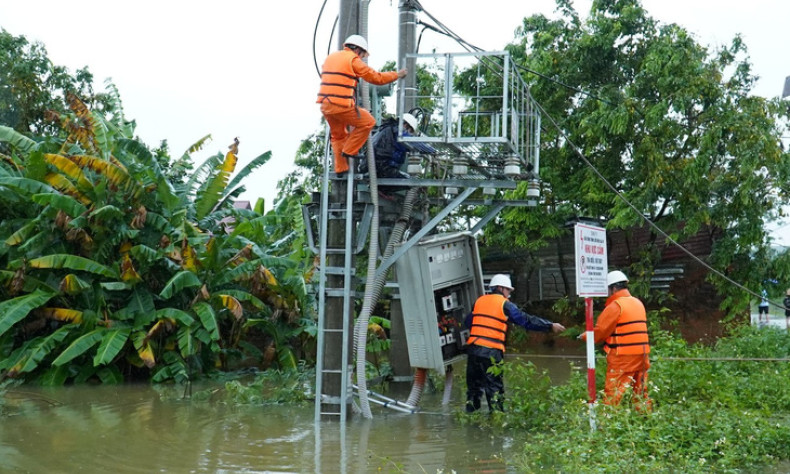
<point x="588" y="306"/>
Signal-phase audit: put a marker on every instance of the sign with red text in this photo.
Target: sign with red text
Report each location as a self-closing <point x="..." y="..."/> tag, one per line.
<point x="591" y="263"/>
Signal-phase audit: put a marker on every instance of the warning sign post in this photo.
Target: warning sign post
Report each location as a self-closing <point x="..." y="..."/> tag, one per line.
<point x="591" y="270"/>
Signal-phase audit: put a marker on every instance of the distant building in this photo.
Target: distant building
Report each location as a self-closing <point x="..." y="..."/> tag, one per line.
<point x="227" y="223"/>
<point x="549" y="273"/>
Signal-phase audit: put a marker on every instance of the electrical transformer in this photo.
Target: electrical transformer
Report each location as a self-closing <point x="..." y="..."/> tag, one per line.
<point x="440" y="279"/>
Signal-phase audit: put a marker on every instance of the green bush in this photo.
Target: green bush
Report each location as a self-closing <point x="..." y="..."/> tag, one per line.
<point x="722" y="414"/>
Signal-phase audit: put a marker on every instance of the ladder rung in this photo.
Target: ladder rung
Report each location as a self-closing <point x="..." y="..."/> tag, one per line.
<point x="338" y="270"/>
<point x="333" y="330"/>
<point x="339" y="292"/>
<point x="331" y="371"/>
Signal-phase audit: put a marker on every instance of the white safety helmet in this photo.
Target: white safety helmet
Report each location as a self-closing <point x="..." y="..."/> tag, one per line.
<point x="356" y="40"/>
<point x="500" y="280"/>
<point x="616" y="277"/>
<point x="412" y="121"/>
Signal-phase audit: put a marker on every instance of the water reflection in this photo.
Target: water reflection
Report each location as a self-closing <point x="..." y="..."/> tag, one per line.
<point x="142" y="429"/>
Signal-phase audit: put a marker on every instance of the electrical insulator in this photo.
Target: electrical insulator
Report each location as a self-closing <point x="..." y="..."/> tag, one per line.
<point x="415" y="164"/>
<point x="533" y="188"/>
<point x="460" y="167"/>
<point x="512" y="167"/>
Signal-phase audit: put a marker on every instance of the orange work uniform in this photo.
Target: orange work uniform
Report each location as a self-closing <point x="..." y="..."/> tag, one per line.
<point x="622" y="327"/>
<point x="339" y="77"/>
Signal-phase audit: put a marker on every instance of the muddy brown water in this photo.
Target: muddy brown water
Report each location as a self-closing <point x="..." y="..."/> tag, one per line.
<point x="145" y="429"/>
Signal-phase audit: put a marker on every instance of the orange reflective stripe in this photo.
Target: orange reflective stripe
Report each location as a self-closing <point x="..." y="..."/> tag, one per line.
<point x="489" y="322"/>
<point x="338" y="80"/>
<point x="630" y="334"/>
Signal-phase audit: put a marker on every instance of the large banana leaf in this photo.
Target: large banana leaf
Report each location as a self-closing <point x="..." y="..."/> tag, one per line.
<point x="187" y="342"/>
<point x="116" y="175"/>
<point x="62" y="202"/>
<point x="14" y="310"/>
<point x="216" y="187"/>
<point x="129" y="148"/>
<point x="242" y="295"/>
<point x="36" y="244"/>
<point x="201" y="173"/>
<point x="23" y="233"/>
<point x="181" y="280"/>
<point x="16" y="139"/>
<point x="101" y="132"/>
<point x="208" y="318"/>
<point x="197" y="146"/>
<point x="72" y="262"/>
<point x="62" y="184"/>
<point x="286" y="357"/>
<point x="146" y="353"/>
<point x="70" y="169"/>
<point x="256" y="163"/>
<point x="144" y="254"/>
<point x="141" y="302"/>
<point x="42" y="348"/>
<point x="80" y="346"/>
<point x="115" y="285"/>
<point x="173" y="313"/>
<point x="157" y="222"/>
<point x="111" y="344"/>
<point x="71" y="284"/>
<point x="26" y="185"/>
<point x="232" y="305"/>
<point x="62" y="314"/>
<point x="105" y="213"/>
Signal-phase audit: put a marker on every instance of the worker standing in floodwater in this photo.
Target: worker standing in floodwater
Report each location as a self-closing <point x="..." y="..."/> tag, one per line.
<point x="622" y="327"/>
<point x="486" y="343"/>
<point x="340" y="76"/>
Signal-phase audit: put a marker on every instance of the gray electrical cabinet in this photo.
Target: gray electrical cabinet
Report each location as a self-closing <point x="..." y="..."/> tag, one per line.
<point x="440" y="279"/>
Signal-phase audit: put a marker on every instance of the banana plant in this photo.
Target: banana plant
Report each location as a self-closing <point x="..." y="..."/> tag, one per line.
<point x="114" y="268"/>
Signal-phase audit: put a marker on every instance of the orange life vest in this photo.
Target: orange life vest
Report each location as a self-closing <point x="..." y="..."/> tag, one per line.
<point x="489" y="322"/>
<point x="630" y="333"/>
<point x="338" y="80"/>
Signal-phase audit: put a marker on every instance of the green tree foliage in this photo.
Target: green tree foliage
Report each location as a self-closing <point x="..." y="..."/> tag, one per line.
<point x="670" y="124"/>
<point x="30" y="85"/>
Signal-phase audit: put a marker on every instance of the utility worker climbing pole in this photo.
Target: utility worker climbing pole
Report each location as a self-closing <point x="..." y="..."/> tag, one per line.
<point x="622" y="327"/>
<point x="486" y="344"/>
<point x="339" y="78"/>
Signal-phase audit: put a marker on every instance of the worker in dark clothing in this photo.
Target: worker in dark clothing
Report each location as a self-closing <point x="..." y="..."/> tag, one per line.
<point x="390" y="152"/>
<point x="488" y="323"/>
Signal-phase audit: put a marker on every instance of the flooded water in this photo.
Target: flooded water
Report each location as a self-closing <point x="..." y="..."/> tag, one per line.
<point x="144" y="429"/>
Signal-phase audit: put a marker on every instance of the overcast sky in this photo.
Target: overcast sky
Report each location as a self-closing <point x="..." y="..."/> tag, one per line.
<point x="246" y="69"/>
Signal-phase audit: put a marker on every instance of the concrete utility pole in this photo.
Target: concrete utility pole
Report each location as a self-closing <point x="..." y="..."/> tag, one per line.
<point x="407" y="44"/>
<point x="348" y="24"/>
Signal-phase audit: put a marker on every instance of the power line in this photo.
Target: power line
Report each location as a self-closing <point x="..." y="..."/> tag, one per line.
<point x="315" y="37"/>
<point x="639" y="213"/>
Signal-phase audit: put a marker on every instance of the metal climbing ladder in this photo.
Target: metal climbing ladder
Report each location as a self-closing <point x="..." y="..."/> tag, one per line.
<point x="346" y="271"/>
